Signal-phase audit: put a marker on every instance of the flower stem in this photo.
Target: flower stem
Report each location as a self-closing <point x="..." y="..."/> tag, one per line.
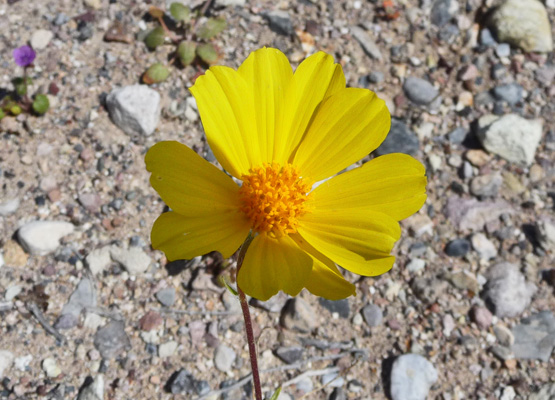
<point x="248" y="322"/>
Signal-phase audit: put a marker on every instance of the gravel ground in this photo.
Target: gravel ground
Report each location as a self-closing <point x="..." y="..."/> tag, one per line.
<point x="89" y="311"/>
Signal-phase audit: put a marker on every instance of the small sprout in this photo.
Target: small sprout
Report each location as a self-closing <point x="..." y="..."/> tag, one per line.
<point x="186" y="52"/>
<point x="207" y="53"/>
<point x="223" y="282"/>
<point x="156" y="12"/>
<point x="276" y="394"/>
<point x="155" y="74"/>
<point x="211" y="28"/>
<point x="180" y="12"/>
<point x="24" y="56"/>
<point x="2" y="114"/>
<point x="21" y="86"/>
<point x="155" y="38"/>
<point x="41" y="104"/>
<point x="14" y="108"/>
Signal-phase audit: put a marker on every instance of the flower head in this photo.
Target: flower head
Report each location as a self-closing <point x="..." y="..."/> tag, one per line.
<point x="279" y="133"/>
<point x="24" y="56"/>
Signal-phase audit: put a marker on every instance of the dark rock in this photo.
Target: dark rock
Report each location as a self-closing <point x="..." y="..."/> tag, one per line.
<point x="280" y="22"/>
<point x="111" y="339"/>
<point x="399" y="140"/>
<point x="341" y="307"/>
<point x="376" y="77"/>
<point x="441" y="12"/>
<point x="181" y="382"/>
<point x="457" y="248"/>
<point x="290" y="355"/>
<point x="457" y="135"/>
<point x="511" y="93"/>
<point x="166" y="296"/>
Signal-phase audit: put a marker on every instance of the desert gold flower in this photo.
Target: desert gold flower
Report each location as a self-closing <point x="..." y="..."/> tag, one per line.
<point x="279" y="133"/>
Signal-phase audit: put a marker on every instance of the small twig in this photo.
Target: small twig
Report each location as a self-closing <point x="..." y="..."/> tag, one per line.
<point x="33" y="309"/>
<point x="187" y="312"/>
<point x="236" y="385"/>
<point x="306" y="374"/>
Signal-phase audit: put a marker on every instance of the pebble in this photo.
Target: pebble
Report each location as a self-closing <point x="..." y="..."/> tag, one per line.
<point x="151" y="320"/>
<point x="464" y="280"/>
<point x="298" y="315"/>
<point x="483" y="246"/>
<point x="341" y="307"/>
<point x="511" y="137"/>
<point x="411" y="377"/>
<point x="98" y="260"/>
<point x="6" y="360"/>
<point x="83" y="297"/>
<point x="504" y="335"/>
<point x="486" y="185"/>
<point x="111" y="340"/>
<point x="376" y="77"/>
<point x="167" y="349"/>
<point x="503" y="50"/>
<point x="457" y="135"/>
<point x="534" y="337"/>
<point x="9" y="207"/>
<point x="41" y="38"/>
<point x="545" y="234"/>
<point x="134" y="109"/>
<point x="481" y="316"/>
<point x="181" y="381"/>
<point x="443" y="11"/>
<point x="43" y="237"/>
<point x="12" y="292"/>
<point x="523" y="23"/>
<point x="224" y="357"/>
<point x="94" y="390"/>
<point x="367" y="43"/>
<point x="280" y="22"/>
<point x="166" y="296"/>
<point x="415" y="265"/>
<point x="420" y="91"/>
<point x="373" y="315"/>
<point x="511" y="93"/>
<point x="471" y="214"/>
<point x="457" y="248"/>
<point x="507" y="291"/>
<point x="51" y="368"/>
<point x="428" y="289"/>
<point x="91" y="201"/>
<point x="134" y="259"/>
<point x="399" y="140"/>
<point x="290" y="355"/>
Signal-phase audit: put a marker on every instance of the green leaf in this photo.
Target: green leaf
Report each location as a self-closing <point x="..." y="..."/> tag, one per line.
<point x="180" y="12"/>
<point x="41" y="104"/>
<point x="276" y="394"/>
<point x="156" y="73"/>
<point x="14" y="108"/>
<point x="20" y="86"/>
<point x="186" y="52"/>
<point x="2" y="114"/>
<point x="155" y="38"/>
<point x="207" y="53"/>
<point x="211" y="28"/>
<point x="223" y="281"/>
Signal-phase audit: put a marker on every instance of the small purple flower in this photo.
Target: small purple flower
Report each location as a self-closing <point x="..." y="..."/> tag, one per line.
<point x="24" y="56"/>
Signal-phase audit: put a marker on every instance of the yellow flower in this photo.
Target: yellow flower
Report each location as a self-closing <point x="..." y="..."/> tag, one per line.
<point x="279" y="133"/>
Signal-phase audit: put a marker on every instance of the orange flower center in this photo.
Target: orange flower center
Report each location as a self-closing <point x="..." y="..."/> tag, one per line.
<point x="273" y="197"/>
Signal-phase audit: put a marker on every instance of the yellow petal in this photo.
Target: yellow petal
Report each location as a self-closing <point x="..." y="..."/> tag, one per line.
<point x="181" y="237"/>
<point x="268" y="74"/>
<point x="226" y="109"/>
<point x="346" y="127"/>
<point x="393" y="184"/>
<point x="325" y="280"/>
<point x="272" y="265"/>
<point x="187" y="183"/>
<point x="316" y="78"/>
<point x="359" y="242"/>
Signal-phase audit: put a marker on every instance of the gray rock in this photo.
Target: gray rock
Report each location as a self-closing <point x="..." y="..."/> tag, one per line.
<point x="224" y="357"/>
<point x="428" y="289"/>
<point x="9" y="207"/>
<point x="111" y="340"/>
<point x="511" y="137"/>
<point x="504" y="335"/>
<point x="511" y="93"/>
<point x="420" y="91"/>
<point x="290" y="355"/>
<point x="94" y="390"/>
<point x="341" y="307"/>
<point x="43" y="237"/>
<point x="502" y="352"/>
<point x="6" y="361"/>
<point x="464" y="280"/>
<point x="83" y="296"/>
<point x="373" y="315"/>
<point x="457" y="248"/>
<point x="503" y="50"/>
<point x="535" y="337"/>
<point x="376" y="77"/>
<point x="299" y="315"/>
<point x="181" y="381"/>
<point x="486" y="38"/>
<point x="486" y="185"/>
<point x="471" y="214"/>
<point x="399" y="140"/>
<point x="547" y="392"/>
<point x="523" y="23"/>
<point x="483" y="246"/>
<point x="443" y="11"/>
<point x="411" y="377"/>
<point x="507" y="291"/>
<point x="366" y="42"/>
<point x="457" y="135"/>
<point x="134" y="109"/>
<point x="545" y="233"/>
<point x="166" y="296"/>
<point x="134" y="259"/>
<point x="280" y="22"/>
<point x="273" y="304"/>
